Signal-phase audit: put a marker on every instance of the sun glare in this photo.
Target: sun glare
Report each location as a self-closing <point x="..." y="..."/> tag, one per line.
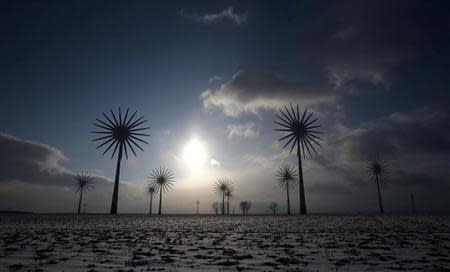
<point x="194" y="154"/>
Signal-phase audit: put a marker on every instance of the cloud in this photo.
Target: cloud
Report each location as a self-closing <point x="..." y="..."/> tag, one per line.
<point x="32" y="178"/>
<point x="31" y="162"/>
<point x="250" y="91"/>
<point x="227" y="14"/>
<point x="215" y="78"/>
<point x="422" y="131"/>
<point x="415" y="144"/>
<point x="214" y="162"/>
<point x="247" y="130"/>
<point x="358" y="50"/>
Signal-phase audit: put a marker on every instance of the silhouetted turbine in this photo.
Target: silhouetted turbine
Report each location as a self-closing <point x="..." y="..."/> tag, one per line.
<point x="286" y="178"/>
<point x="378" y="171"/>
<point x="163" y="179"/>
<point x="83" y="183"/>
<point x="301" y="134"/>
<point x="150" y="189"/>
<point x="273" y="206"/>
<point x="229" y="194"/>
<point x="220" y="188"/>
<point x="120" y="134"/>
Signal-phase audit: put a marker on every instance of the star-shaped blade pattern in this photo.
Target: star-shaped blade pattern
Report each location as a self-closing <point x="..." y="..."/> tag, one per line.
<point x="117" y="131"/>
<point x="286" y="176"/>
<point x="377" y="167"/>
<point x="150" y="188"/>
<point x="83" y="182"/>
<point x="299" y="130"/>
<point x="222" y="186"/>
<point x="162" y="179"/>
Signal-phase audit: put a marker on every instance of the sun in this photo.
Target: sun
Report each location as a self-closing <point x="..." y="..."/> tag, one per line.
<point x="194" y="154"/>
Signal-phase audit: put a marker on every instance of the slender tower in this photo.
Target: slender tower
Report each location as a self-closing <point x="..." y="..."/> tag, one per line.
<point x="413" y="205"/>
<point x="198" y="204"/>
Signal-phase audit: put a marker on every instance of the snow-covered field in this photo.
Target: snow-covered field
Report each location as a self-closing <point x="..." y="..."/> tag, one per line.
<point x="215" y="243"/>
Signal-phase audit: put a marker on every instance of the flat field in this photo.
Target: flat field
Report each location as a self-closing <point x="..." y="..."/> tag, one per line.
<point x="216" y="243"/>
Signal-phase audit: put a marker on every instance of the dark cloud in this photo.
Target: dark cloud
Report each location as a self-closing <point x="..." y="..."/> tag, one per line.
<point x="360" y="42"/>
<point x="412" y="178"/>
<point x="227" y="14"/>
<point x="251" y="90"/>
<point x="31" y="162"/>
<point x="32" y="178"/>
<point x="353" y="47"/>
<point x="419" y="132"/>
<point x="415" y="145"/>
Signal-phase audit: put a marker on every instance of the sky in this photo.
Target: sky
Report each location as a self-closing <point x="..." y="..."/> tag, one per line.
<point x="209" y="77"/>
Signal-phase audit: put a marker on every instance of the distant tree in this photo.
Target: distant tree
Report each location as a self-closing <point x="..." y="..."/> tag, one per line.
<point x="286" y="179"/>
<point x="220" y="188"/>
<point x="273" y="206"/>
<point x="120" y="133"/>
<point x="228" y="195"/>
<point x="150" y="190"/>
<point x="215" y="207"/>
<point x="378" y="171"/>
<point x="163" y="179"/>
<point x="301" y="133"/>
<point x="245" y="207"/>
<point x="83" y="183"/>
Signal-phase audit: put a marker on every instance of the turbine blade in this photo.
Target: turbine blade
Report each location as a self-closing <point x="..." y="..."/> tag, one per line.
<point x="115" y="149"/>
<point x="135" y="143"/>
<point x="295" y="117"/>
<point x="138" y="124"/>
<point x="283" y="125"/>
<point x="135" y="121"/>
<point x="311" y="122"/>
<point x="102" y="127"/>
<point x="101" y="132"/>
<point x="311" y="127"/>
<point x="126" y="152"/>
<point x="104" y="123"/>
<point x="138" y="129"/>
<point x="292" y="118"/>
<point x="105" y="142"/>
<point x="315" y="136"/>
<point x="131" y="118"/>
<point x="103" y="137"/>
<point x="285" y="116"/>
<point x="132" y="149"/>
<point x="136" y="138"/>
<point x="307" y="148"/>
<point x="307" y="118"/>
<point x="125" y="117"/>
<point x="140" y="134"/>
<point x="312" y="139"/>
<point x="304" y="113"/>
<point x="115" y="120"/>
<point x="120" y="116"/>
<point x="290" y="140"/>
<point x="302" y="148"/>
<point x="109" y="120"/>
<point x="293" y="145"/>
<point x="282" y="138"/>
<point x="312" y="147"/>
<point x="286" y="121"/>
<point x="108" y="148"/>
